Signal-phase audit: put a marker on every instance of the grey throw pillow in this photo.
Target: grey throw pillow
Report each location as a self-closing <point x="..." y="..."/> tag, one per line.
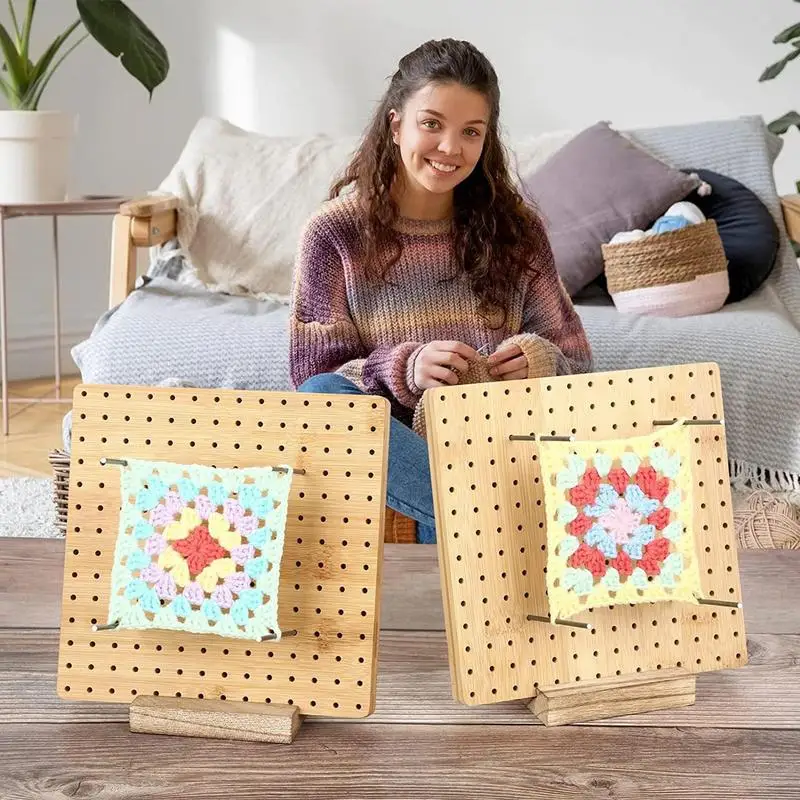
<point x="596" y="185"/>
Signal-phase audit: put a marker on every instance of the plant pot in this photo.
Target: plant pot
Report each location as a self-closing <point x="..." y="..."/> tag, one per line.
<point x="35" y="155"/>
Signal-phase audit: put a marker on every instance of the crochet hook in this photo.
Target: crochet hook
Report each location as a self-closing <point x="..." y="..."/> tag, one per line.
<point x="123" y="463"/>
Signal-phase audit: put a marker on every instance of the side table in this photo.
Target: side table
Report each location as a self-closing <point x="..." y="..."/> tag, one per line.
<point x="80" y="206"/>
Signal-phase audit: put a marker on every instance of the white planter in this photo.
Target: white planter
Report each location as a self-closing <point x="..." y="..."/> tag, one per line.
<point x="35" y="155"/>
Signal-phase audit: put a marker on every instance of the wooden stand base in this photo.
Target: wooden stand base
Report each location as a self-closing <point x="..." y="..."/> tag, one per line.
<point x="215" y="719"/>
<point x="614" y="697"/>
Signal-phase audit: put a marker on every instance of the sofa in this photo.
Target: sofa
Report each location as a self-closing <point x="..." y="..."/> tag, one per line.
<point x="222" y="229"/>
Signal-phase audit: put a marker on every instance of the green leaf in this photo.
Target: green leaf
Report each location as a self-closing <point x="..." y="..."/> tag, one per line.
<point x="17" y="72"/>
<point x="775" y="69"/>
<point x="124" y="35"/>
<point x="26" y="29"/>
<point x="792" y="32"/>
<point x="782" y="124"/>
<point x="38" y="71"/>
<point x="17" y="31"/>
<point x="45" y="79"/>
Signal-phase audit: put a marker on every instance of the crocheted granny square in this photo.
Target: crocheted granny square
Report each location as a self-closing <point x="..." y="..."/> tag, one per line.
<point x="199" y="548"/>
<point x="619" y="521"/>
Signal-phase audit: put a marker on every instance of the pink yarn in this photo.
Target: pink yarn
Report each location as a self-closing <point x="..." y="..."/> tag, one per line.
<point x="203" y="506"/>
<point x="237" y="582"/>
<point x="155" y="545"/>
<point x="152" y="573"/>
<point x="194" y="593"/>
<point x="243" y="553"/>
<point x="165" y="587"/>
<point x="223" y="596"/>
<point x="247" y="525"/>
<point x="174" y="503"/>
<point x="161" y="516"/>
<point x="620" y="522"/>
<point x="233" y="511"/>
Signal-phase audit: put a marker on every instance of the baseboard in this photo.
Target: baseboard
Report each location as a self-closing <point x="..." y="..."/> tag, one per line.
<point x="32" y="357"/>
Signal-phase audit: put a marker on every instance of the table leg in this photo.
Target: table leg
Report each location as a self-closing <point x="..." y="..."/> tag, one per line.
<point x="3" y="324"/>
<point x="57" y="310"/>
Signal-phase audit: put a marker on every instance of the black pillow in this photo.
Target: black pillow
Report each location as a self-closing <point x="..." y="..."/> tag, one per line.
<point x="749" y="235"/>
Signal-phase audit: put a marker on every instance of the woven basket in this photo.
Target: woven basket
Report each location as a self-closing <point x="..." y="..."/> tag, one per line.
<point x="59" y="461"/>
<point x="676" y="273"/>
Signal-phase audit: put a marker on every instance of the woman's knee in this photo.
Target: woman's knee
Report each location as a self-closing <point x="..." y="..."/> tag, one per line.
<point x="328" y="383"/>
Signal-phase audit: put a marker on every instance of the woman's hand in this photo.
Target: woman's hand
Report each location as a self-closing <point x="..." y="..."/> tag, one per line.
<point x="442" y="363"/>
<point x="508" y="363"/>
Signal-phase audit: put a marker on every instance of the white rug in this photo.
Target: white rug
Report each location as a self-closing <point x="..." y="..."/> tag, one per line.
<point x="27" y="508"/>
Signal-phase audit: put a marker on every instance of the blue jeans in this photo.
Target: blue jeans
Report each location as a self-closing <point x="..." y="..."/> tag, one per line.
<point x="408" y="488"/>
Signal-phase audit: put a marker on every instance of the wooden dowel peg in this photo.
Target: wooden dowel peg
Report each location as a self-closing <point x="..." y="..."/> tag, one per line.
<point x="517" y="437"/>
<point x="705" y="601"/>
<point x="689" y="422"/>
<point x="123" y="463"/>
<point x="110" y="627"/>
<point x="583" y="625"/>
<point x="271" y="636"/>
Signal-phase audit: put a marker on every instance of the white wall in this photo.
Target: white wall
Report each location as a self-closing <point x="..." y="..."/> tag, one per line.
<point x="317" y="65"/>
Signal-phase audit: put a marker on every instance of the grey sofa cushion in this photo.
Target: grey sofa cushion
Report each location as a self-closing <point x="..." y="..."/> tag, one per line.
<point x="168" y="333"/>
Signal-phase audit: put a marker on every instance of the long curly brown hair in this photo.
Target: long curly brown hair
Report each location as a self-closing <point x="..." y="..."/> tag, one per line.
<point x="496" y="234"/>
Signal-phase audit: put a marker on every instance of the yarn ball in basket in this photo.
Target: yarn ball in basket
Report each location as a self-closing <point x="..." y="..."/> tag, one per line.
<point x="672" y="274"/>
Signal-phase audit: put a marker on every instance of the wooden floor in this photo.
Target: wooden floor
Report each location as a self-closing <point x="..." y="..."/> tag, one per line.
<point x="34" y="429"/>
<point x="739" y="741"/>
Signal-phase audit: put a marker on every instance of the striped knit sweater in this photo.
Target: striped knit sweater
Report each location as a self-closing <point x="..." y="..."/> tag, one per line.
<point x="372" y="332"/>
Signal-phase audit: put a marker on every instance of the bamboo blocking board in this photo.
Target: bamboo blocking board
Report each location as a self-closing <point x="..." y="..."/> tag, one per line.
<point x="332" y="560"/>
<point x="490" y="520"/>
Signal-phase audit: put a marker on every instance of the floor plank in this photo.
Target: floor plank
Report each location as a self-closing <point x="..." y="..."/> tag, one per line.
<point x="414" y="687"/>
<point x="389" y="761"/>
<point x="410" y="595"/>
<point x="34" y="430"/>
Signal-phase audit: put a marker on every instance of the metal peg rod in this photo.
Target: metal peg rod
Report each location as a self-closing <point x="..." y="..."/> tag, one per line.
<point x="271" y="636"/>
<point x="584" y="625"/>
<point x="110" y="627"/>
<point x="515" y="437"/>
<point x="704" y="601"/>
<point x="123" y="463"/>
<point x="689" y="422"/>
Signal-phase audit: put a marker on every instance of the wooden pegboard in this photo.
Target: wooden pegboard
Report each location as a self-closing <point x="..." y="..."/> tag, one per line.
<point x="490" y="521"/>
<point x="331" y="567"/>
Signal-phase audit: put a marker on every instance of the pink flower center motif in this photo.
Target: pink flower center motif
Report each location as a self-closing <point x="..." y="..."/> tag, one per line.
<point x="621" y="521"/>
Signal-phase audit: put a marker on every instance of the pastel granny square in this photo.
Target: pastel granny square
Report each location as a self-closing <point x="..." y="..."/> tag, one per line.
<point x="619" y="521"/>
<point x="199" y="548"/>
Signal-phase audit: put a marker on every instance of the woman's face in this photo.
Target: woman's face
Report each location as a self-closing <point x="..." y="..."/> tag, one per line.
<point x="441" y="133"/>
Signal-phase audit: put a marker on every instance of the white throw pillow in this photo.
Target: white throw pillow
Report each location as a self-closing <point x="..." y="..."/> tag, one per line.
<point x="245" y="198"/>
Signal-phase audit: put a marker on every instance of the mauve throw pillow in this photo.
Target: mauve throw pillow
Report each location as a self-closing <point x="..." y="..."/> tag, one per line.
<point x="595" y="186"/>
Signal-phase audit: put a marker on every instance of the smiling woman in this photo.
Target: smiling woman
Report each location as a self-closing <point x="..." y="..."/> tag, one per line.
<point x="424" y="258"/>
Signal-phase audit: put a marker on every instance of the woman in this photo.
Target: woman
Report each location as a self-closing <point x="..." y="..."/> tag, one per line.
<point x="429" y="256"/>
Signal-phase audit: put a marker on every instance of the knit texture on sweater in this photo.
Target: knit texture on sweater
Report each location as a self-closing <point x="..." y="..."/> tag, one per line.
<point x="371" y="332"/>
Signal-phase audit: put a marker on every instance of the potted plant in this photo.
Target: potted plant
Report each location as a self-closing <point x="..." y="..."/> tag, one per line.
<point x="34" y="144"/>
